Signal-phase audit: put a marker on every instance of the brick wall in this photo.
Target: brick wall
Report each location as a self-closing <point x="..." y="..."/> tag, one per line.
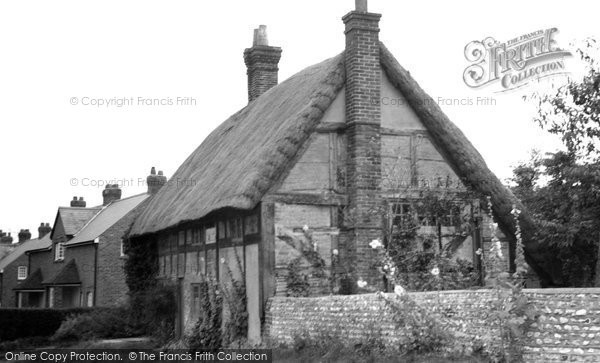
<point x="10" y="281"/>
<point x="568" y="328"/>
<point x="111" y="288"/>
<point x="363" y="119"/>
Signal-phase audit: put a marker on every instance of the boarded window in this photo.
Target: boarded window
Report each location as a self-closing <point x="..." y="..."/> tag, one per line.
<point x="211" y="235"/>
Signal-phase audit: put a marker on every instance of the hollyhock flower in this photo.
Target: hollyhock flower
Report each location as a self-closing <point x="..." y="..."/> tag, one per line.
<point x="399" y="290"/>
<point x="478" y="252"/>
<point x="335" y="252"/>
<point x="435" y="271"/>
<point x="375" y="244"/>
<point x="361" y="283"/>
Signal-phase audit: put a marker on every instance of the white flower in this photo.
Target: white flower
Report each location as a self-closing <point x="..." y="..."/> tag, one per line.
<point x="335" y="252"/>
<point x="305" y="228"/>
<point x="399" y="290"/>
<point x="222" y="260"/>
<point x="435" y="271"/>
<point x="361" y="283"/>
<point x="315" y="246"/>
<point x="375" y="244"/>
<point x="478" y="252"/>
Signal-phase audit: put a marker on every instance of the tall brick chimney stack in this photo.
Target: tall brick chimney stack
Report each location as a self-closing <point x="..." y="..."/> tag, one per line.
<point x="363" y="118"/>
<point x="44" y="229"/>
<point x="24" y="235"/>
<point x="78" y="202"/>
<point x="155" y="182"/>
<point x="262" y="62"/>
<point x="111" y="193"/>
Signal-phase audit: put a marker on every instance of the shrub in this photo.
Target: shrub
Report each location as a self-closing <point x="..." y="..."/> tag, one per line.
<point x="159" y="306"/>
<point x="23" y="323"/>
<point x="99" y="323"/>
<point x="208" y="333"/>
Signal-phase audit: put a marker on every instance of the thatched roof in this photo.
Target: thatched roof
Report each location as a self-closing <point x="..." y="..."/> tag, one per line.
<point x="236" y="164"/>
<point x="470" y="166"/>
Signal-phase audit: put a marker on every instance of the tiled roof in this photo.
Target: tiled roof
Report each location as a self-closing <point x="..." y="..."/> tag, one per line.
<point x="107" y="217"/>
<point x="32" y="244"/>
<point x="32" y="282"/>
<point x="68" y="275"/>
<point x="74" y="218"/>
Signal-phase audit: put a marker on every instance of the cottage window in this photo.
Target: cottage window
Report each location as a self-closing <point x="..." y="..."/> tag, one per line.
<point x="251" y="224"/>
<point x="181" y="239"/>
<point x="234" y="228"/>
<point x="222" y="230"/>
<point x="59" y="251"/>
<point x="188" y="237"/>
<point x="22" y="273"/>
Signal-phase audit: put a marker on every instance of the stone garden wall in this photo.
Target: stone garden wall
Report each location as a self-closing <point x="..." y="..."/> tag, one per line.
<point x="568" y="328"/>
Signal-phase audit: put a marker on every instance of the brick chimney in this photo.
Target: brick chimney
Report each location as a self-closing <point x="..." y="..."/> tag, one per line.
<point x="24" y="235"/>
<point x="5" y="238"/>
<point x="111" y="193"/>
<point x="262" y="62"/>
<point x="363" y="118"/>
<point x="155" y="182"/>
<point x="78" y="202"/>
<point x="43" y="230"/>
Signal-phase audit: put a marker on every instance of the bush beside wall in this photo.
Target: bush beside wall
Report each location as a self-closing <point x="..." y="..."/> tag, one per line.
<point x="23" y="323"/>
<point x="568" y="328"/>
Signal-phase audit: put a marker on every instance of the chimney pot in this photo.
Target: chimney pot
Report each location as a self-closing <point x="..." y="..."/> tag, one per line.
<point x="24" y="235"/>
<point x="111" y="193"/>
<point x="361" y="5"/>
<point x="78" y="203"/>
<point x="43" y="230"/>
<point x="155" y="182"/>
<point x="260" y="36"/>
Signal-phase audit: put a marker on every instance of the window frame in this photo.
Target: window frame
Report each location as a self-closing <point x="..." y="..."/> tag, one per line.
<point x="59" y="251"/>
<point x="21" y="276"/>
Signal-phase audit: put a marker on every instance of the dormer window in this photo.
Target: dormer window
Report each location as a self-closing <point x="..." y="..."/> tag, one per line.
<point x="59" y="251"/>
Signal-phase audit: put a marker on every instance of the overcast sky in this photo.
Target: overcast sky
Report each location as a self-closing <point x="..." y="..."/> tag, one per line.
<point x="55" y="53"/>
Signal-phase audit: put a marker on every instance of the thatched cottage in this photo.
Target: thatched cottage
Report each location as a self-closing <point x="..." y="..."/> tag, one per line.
<point x="301" y="153"/>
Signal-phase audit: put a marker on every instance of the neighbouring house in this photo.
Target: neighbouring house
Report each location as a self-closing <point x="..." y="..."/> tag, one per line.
<point x="309" y="151"/>
<point x="83" y="265"/>
<point x="14" y="268"/>
<point x="6" y="244"/>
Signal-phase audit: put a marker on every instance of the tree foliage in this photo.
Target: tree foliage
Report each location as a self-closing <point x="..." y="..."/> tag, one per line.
<point x="562" y="189"/>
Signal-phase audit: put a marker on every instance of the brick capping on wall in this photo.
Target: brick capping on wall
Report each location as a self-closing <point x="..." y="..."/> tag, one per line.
<point x="568" y="327"/>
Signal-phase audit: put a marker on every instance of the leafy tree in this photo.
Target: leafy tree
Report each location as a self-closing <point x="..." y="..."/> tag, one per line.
<point x="562" y="189"/>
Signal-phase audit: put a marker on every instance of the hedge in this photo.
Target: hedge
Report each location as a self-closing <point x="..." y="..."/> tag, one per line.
<point x="23" y="323"/>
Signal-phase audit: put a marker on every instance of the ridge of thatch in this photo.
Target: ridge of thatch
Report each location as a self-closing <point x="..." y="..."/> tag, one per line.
<point x="236" y="164"/>
<point x="469" y="164"/>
